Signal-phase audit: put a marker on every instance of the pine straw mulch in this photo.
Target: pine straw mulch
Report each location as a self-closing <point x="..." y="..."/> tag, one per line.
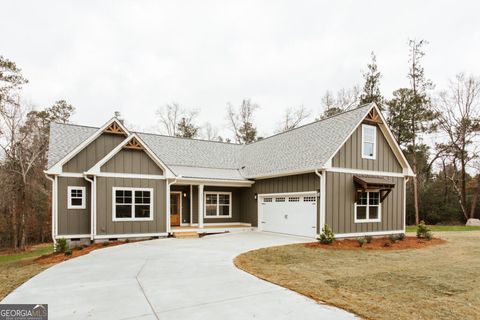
<point x="382" y="243"/>
<point x="58" y="257"/>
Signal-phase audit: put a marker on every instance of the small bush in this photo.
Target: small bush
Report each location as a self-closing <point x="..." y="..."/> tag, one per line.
<point x="361" y="241"/>
<point x="369" y="239"/>
<point x="327" y="236"/>
<point x="61" y="245"/>
<point x="393" y="238"/>
<point x="127" y="240"/>
<point x="105" y="243"/>
<point x="387" y="244"/>
<point x="423" y="231"/>
<point x="401" y="236"/>
<point x="68" y="252"/>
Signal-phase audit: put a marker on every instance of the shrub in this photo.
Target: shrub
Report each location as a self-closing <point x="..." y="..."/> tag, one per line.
<point x="401" y="236"/>
<point x="369" y="239"/>
<point x="105" y="243"/>
<point x="393" y="238"/>
<point x="68" y="252"/>
<point x="361" y="241"/>
<point x="127" y="240"/>
<point x="61" y="245"/>
<point x="327" y="236"/>
<point x="423" y="231"/>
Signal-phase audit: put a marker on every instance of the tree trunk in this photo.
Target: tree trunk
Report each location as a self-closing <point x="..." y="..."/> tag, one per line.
<point x="476" y="193"/>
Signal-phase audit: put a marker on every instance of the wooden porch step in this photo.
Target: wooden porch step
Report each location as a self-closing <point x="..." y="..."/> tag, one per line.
<point x="185" y="234"/>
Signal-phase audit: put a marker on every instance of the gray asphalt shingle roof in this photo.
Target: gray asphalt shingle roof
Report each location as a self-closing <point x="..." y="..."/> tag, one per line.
<point x="301" y="149"/>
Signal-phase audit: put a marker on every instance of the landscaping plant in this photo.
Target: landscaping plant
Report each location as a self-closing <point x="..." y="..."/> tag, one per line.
<point x="369" y="239"/>
<point x="61" y="245"/>
<point x="401" y="236"/>
<point x="423" y="232"/>
<point x="361" y="241"/>
<point x="393" y="238"/>
<point x="327" y="236"/>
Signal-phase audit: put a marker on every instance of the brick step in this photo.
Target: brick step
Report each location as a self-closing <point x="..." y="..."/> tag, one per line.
<point x="185" y="234"/>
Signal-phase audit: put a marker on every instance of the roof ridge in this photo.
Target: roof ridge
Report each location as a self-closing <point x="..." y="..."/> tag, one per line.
<point x="183" y="138"/>
<point x="190" y="166"/>
<point x="311" y="123"/>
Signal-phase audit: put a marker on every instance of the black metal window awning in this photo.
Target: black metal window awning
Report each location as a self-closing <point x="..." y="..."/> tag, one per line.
<point x="365" y="183"/>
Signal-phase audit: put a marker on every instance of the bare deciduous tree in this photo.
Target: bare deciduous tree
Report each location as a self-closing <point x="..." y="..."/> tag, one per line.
<point x="241" y="121"/>
<point x="344" y="100"/>
<point x="177" y="121"/>
<point x="459" y="119"/>
<point x="292" y="118"/>
<point x="210" y="132"/>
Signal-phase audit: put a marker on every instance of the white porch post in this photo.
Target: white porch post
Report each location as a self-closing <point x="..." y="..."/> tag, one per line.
<point x="191" y="204"/>
<point x="200" y="206"/>
<point x="167" y="202"/>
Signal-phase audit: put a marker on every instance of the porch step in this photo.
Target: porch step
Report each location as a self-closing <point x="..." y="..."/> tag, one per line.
<point x="185" y="234"/>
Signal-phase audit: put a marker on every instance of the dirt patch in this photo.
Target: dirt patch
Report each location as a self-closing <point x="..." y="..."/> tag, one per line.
<point x="383" y="243"/>
<point x="58" y="257"/>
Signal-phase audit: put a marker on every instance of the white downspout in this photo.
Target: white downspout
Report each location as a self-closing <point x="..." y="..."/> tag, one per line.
<point x="92" y="206"/>
<point x="322" y="198"/>
<point x="54" y="201"/>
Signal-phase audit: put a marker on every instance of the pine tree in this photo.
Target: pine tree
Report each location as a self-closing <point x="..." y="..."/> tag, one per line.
<point x="371" y="88"/>
<point x="186" y="129"/>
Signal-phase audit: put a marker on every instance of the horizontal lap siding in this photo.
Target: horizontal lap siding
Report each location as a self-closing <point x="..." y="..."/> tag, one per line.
<point x="105" y="223"/>
<point x="350" y="155"/>
<point x="340" y="199"/>
<point x="132" y="161"/>
<point x="72" y="221"/>
<point x="295" y="183"/>
<point x="93" y="153"/>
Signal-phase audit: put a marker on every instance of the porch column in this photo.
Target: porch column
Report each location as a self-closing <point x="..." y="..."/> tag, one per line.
<point x="200" y="206"/>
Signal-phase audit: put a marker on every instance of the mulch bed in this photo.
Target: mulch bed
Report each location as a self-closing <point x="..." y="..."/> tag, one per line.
<point x="382" y="243"/>
<point x="58" y="257"/>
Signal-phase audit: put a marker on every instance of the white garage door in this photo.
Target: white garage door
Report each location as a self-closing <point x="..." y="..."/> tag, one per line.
<point x="294" y="214"/>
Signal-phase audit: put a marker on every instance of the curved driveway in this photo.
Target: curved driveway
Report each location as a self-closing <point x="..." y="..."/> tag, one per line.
<point x="169" y="279"/>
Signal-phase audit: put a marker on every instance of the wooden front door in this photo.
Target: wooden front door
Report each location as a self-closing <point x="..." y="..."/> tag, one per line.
<point x="175" y="209"/>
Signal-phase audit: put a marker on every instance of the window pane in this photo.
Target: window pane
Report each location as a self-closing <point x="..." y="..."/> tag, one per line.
<point x="123" y="196"/>
<point x="373" y="213"/>
<point x="374" y="198"/>
<point x="211" y="210"/>
<point x="368" y="149"/>
<point x="142" y="211"/>
<point x="211" y="199"/>
<point x="224" y="198"/>
<point x="76" y="202"/>
<point x="142" y="197"/>
<point x="123" y="211"/>
<point x="362" y="199"/>
<point x="361" y="213"/>
<point x="224" y="210"/>
<point x="369" y="134"/>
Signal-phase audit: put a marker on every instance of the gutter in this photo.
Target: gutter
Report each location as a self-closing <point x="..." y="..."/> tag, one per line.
<point x="54" y="201"/>
<point x="92" y="206"/>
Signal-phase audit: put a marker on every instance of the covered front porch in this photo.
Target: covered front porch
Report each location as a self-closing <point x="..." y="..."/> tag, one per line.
<point x="206" y="206"/>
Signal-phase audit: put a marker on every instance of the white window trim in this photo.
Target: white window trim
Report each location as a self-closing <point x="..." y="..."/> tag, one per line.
<point x="114" y="206"/>
<point x="69" y="196"/>
<point x="374" y="142"/>
<point x="379" y="219"/>
<point x="218" y="205"/>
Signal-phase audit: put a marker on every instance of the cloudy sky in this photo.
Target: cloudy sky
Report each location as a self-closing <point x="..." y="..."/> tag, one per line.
<point x="134" y="56"/>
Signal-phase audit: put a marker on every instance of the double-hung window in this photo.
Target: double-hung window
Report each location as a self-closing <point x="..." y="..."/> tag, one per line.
<point x="367" y="207"/>
<point x="218" y="205"/>
<point x="76" y="198"/>
<point x="132" y="204"/>
<point x="369" y="141"/>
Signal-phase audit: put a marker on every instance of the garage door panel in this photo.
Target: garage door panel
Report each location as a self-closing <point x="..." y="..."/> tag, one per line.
<point x="294" y="214"/>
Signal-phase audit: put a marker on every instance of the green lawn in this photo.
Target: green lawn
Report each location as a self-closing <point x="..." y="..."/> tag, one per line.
<point x="38" y="251"/>
<point x="17" y="268"/>
<point x="437" y="282"/>
<point x="445" y="228"/>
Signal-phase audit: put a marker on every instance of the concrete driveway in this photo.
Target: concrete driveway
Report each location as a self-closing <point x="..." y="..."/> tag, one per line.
<point x="169" y="279"/>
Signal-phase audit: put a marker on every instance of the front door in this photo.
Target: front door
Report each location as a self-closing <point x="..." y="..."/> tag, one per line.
<point x="175" y="209"/>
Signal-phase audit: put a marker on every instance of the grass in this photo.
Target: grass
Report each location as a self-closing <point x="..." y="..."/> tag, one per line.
<point x="17" y="268"/>
<point x="445" y="228"/>
<point x="438" y="282"/>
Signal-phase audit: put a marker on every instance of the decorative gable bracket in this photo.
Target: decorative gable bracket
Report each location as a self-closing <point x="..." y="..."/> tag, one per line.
<point x="133" y="144"/>
<point x="114" y="128"/>
<point x="373" y="117"/>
